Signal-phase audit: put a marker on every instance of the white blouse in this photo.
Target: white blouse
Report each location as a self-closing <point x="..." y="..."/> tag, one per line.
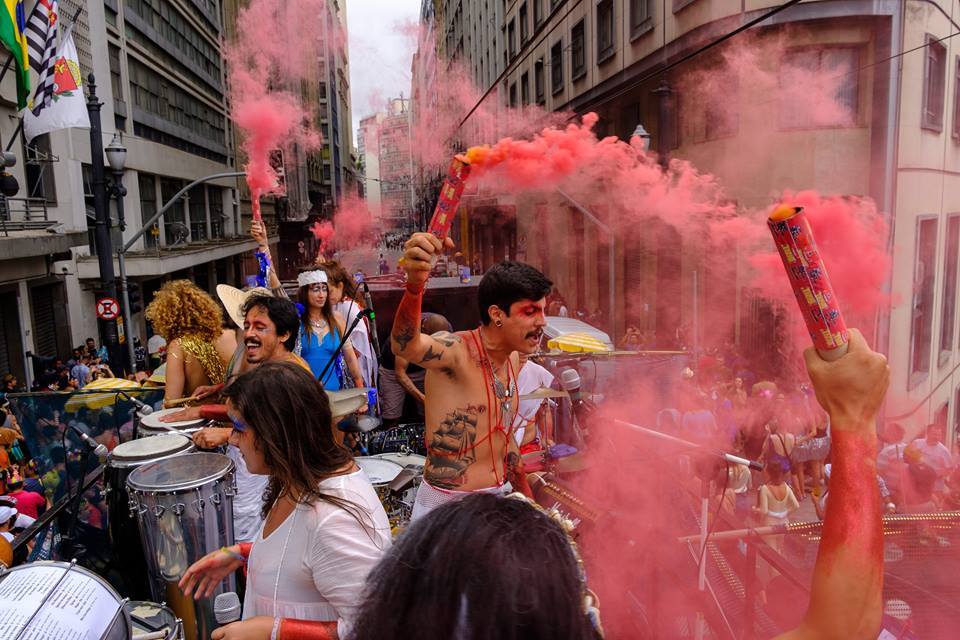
<point x="314" y="565"/>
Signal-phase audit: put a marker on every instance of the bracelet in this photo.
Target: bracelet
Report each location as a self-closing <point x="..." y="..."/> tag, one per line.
<point x="233" y="554"/>
<point x="275" y="632"/>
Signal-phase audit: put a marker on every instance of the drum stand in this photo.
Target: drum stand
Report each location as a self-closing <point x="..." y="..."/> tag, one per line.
<point x="67" y="535"/>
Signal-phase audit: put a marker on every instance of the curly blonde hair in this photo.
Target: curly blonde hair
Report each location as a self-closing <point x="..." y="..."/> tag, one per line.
<point x="182" y="308"/>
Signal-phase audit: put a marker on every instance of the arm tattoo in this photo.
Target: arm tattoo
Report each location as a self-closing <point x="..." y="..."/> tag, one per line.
<point x="431" y="355"/>
<point x="451" y="449"/>
<point x="446" y="338"/>
<point x="406" y="324"/>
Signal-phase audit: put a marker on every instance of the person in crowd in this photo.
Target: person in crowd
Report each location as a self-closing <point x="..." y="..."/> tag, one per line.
<point x="935" y="455"/>
<point x="382" y="266"/>
<point x="78" y="353"/>
<point x="270" y="333"/>
<point x="344" y="297"/>
<point x="321" y="331"/>
<point x="9" y="384"/>
<point x="508" y="593"/>
<point x="400" y="378"/>
<point x="157" y="350"/>
<point x="102" y="353"/>
<point x="324" y="527"/>
<point x="890" y="462"/>
<point x="197" y="349"/>
<point x="139" y="355"/>
<point x="775" y="499"/>
<point x="29" y="503"/>
<point x="533" y="424"/>
<point x="779" y="447"/>
<point x="80" y="372"/>
<point x="471" y="380"/>
<point x="8" y="518"/>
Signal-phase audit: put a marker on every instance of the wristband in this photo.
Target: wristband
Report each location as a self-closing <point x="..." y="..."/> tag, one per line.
<point x="233" y="554"/>
<point x="245" y="549"/>
<point x="217" y="412"/>
<point x="275" y="632"/>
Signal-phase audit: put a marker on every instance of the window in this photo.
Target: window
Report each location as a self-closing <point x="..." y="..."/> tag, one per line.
<point x="948" y="310"/>
<point x="174" y="218"/>
<point x="934" y="80"/>
<point x="578" y="58"/>
<point x="513" y="94"/>
<point x="524" y="29"/>
<point x="924" y="274"/>
<point x="842" y="63"/>
<point x="640" y="17"/>
<point x="215" y="198"/>
<point x="38" y="169"/>
<point x="148" y="206"/>
<point x="537" y="13"/>
<point x="956" y="101"/>
<point x="512" y="39"/>
<point x="198" y="213"/>
<point x="538" y="88"/>
<point x="605" y="27"/>
<point x="556" y="67"/>
<point x="525" y="89"/>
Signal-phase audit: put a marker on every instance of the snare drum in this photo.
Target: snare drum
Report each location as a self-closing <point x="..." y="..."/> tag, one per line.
<point x="184" y="507"/>
<point x="150" y="617"/>
<point x="124" y="535"/>
<point x="150" y="424"/>
<point x="60" y="600"/>
<point x="382" y="470"/>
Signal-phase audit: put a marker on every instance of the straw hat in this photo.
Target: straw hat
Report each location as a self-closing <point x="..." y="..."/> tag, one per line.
<point x="233" y="300"/>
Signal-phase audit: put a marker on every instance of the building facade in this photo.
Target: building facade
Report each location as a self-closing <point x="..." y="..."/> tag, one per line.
<point x="160" y="76"/>
<point x="900" y="148"/>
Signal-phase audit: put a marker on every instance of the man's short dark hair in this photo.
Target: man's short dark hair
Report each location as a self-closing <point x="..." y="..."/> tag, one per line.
<point x="282" y="312"/>
<point x="506" y="283"/>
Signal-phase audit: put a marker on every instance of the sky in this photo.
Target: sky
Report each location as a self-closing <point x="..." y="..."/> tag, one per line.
<point x="382" y="44"/>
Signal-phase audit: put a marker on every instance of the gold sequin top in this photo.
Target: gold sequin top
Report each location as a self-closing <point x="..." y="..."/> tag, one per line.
<point x="206" y="354"/>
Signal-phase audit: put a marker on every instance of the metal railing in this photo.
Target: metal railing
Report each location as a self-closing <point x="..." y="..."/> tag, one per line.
<point x="21" y="214"/>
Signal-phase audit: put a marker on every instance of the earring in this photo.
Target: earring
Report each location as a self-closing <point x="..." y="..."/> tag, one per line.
<point x="498" y="323"/>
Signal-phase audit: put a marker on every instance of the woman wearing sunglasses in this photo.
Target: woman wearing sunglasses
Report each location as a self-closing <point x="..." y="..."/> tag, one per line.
<point x="324" y="528"/>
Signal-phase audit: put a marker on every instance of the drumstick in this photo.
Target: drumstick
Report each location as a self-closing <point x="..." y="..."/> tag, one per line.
<point x="153" y="635"/>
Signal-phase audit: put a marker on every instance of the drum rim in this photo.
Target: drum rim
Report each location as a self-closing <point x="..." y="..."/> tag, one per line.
<point x="130" y="605"/>
<point x="376" y="484"/>
<point x="183" y="486"/>
<point x="180" y="424"/>
<point x="399" y="455"/>
<point x="123" y="463"/>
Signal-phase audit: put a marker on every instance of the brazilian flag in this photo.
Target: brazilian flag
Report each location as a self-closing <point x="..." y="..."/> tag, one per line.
<point x="13" y="22"/>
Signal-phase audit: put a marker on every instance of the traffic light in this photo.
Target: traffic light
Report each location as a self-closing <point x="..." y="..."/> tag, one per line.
<point x="135" y="296"/>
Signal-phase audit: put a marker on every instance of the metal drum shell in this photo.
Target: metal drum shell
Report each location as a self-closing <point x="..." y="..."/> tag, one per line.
<point x="138" y="621"/>
<point x="184" y="509"/>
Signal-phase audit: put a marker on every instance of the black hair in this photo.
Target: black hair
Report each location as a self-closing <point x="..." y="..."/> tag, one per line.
<point x="283" y="314"/>
<point x="506" y="283"/>
<point x="293" y="430"/>
<point x="465" y="571"/>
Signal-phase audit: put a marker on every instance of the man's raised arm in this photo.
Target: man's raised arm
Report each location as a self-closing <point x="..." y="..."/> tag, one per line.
<point x="406" y="340"/>
<point x="846" y="598"/>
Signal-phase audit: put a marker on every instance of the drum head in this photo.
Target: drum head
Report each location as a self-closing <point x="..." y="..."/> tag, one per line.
<point x="139" y="451"/>
<point x="152" y="420"/>
<point x="404" y="459"/>
<point x="180" y="473"/>
<point x="379" y="471"/>
<point x="149" y="617"/>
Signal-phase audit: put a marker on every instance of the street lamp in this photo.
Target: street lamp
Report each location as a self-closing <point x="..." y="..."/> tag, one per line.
<point x="117" y="159"/>
<point x="644" y="136"/>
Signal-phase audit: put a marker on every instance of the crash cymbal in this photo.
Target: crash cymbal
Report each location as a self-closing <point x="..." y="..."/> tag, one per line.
<point x="346" y="401"/>
<point x="545" y="392"/>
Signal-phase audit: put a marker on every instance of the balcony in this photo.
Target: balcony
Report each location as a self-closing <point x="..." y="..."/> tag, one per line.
<point x="26" y="230"/>
<point x="159" y="261"/>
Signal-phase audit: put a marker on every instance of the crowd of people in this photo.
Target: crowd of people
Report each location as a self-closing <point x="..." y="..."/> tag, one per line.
<point x="313" y="536"/>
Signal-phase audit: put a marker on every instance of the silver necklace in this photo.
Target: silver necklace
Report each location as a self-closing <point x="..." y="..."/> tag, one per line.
<point x="318" y="324"/>
<point x="503" y="392"/>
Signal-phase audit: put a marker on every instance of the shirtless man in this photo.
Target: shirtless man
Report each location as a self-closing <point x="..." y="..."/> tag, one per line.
<point x="471" y="388"/>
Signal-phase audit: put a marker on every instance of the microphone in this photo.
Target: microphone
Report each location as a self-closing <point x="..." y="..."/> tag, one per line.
<point x="226" y="608"/>
<point x="141" y="406"/>
<point x="98" y="449"/>
<point x="583" y="407"/>
<point x="368" y="302"/>
<point x="570" y="381"/>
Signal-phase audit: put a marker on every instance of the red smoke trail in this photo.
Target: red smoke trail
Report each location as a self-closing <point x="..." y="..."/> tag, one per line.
<point x="276" y="47"/>
<point x="354" y="226"/>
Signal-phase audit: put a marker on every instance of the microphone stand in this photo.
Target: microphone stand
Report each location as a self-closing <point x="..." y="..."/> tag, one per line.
<point x="343" y="341"/>
<point x="374" y="338"/>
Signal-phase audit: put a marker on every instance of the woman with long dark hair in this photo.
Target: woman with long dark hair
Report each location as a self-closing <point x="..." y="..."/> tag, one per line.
<point x="481" y="568"/>
<point x="324" y="527"/>
<point x="321" y="329"/>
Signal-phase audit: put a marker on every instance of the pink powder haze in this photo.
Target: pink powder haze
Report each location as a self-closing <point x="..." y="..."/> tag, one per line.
<point x="355" y="225"/>
<point x="265" y="74"/>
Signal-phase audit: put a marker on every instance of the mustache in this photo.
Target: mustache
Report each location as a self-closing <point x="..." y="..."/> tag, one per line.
<point x="535" y="334"/>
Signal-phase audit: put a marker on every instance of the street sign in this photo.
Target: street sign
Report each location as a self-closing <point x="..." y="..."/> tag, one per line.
<point x="108" y="309"/>
<point x="120" y="334"/>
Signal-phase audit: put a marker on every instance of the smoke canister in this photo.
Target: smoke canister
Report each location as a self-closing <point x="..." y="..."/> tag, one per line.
<point x="449" y="199"/>
<point x="808" y="277"/>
